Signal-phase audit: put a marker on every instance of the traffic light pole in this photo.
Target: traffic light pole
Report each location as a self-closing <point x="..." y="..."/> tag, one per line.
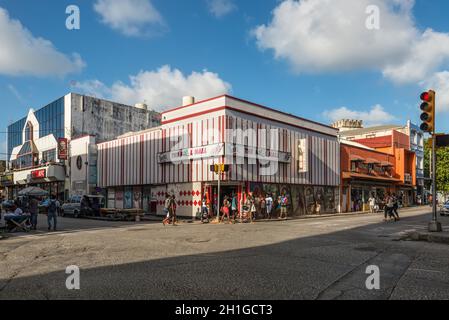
<point x="434" y="225"/>
<point x="218" y="196"/>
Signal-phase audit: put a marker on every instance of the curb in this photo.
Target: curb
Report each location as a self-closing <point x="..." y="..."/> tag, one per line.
<point x="442" y="237"/>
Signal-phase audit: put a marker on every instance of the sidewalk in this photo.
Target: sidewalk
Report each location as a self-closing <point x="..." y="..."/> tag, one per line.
<point x="321" y="216"/>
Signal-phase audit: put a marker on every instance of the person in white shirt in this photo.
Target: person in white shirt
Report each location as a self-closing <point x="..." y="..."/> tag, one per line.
<point x="269" y="205"/>
<point x="372" y="204"/>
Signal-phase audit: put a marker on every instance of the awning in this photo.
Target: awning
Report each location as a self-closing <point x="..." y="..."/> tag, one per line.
<point x="372" y="161"/>
<point x="357" y="158"/>
<point x="354" y="175"/>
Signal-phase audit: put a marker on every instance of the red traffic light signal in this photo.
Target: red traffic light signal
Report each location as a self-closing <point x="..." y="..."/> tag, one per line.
<point x="428" y="108"/>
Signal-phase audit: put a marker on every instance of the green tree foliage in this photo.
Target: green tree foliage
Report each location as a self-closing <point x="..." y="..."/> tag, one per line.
<point x="442" y="167"/>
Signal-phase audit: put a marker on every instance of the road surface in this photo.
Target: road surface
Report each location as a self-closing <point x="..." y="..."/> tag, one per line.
<point x="324" y="258"/>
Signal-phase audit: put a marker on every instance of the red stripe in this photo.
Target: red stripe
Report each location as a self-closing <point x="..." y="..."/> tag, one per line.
<point x="253" y="104"/>
<point x="244" y="112"/>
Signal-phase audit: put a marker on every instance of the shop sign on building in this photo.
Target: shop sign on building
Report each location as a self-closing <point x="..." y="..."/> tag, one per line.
<point x="261" y="154"/>
<point x="210" y="151"/>
<point x="63" y="150"/>
<point x="303" y="156"/>
<point x="39" y="174"/>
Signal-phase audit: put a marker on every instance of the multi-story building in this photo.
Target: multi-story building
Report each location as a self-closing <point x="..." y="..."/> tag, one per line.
<point x="367" y="172"/>
<point x="69" y="126"/>
<point x="268" y="152"/>
<point x="404" y="142"/>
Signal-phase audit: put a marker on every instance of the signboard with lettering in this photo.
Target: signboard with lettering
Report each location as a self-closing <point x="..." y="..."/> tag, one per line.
<point x="39" y="174"/>
<point x="63" y="149"/>
<point x="210" y="151"/>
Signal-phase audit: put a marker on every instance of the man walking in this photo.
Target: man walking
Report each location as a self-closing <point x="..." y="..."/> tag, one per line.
<point x="284" y="204"/>
<point x="52" y="213"/>
<point x="396" y="208"/>
<point x="34" y="211"/>
<point x="269" y="205"/>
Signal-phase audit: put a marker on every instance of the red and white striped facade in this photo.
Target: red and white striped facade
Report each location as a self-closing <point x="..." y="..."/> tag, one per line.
<point x="135" y="159"/>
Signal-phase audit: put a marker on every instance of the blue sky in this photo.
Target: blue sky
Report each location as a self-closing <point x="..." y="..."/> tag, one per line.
<point x="313" y="58"/>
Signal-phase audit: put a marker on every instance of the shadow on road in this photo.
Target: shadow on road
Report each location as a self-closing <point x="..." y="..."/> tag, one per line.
<point x="327" y="266"/>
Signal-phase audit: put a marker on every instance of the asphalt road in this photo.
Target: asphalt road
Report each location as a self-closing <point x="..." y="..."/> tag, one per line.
<point x="323" y="258"/>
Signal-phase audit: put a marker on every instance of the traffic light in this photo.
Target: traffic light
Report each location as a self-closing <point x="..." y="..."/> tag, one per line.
<point x="428" y="108"/>
<point x="219" y="168"/>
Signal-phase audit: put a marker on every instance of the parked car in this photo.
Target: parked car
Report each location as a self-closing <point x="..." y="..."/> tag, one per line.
<point x="75" y="208"/>
<point x="72" y="207"/>
<point x="445" y="209"/>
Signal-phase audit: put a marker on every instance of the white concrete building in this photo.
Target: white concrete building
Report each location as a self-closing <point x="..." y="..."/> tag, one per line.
<point x="139" y="169"/>
<point x="78" y="122"/>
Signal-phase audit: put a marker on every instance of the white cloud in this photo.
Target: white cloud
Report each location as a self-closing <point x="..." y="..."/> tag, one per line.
<point x="427" y="53"/>
<point x="220" y="8"/>
<point x="130" y="17"/>
<point x="22" y="53"/>
<point x="317" y="36"/>
<point x="160" y="89"/>
<point x="375" y="116"/>
<point x="440" y="83"/>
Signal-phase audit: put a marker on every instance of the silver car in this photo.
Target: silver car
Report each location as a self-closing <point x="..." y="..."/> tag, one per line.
<point x="72" y="207"/>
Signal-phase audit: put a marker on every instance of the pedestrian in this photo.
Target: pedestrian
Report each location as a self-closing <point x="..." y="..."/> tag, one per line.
<point x="52" y="213"/>
<point x="372" y="203"/>
<point x="269" y="205"/>
<point x="234" y="207"/>
<point x="284" y="207"/>
<point x="388" y="211"/>
<point x="173" y="209"/>
<point x="167" y="213"/>
<point x="257" y="206"/>
<point x="263" y="206"/>
<point x="246" y="208"/>
<point x="253" y="209"/>
<point x="225" y="209"/>
<point x="396" y="207"/>
<point x="34" y="211"/>
<point x="204" y="211"/>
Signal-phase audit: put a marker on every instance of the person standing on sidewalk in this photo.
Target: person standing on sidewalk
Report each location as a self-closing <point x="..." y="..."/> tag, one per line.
<point x="52" y="213"/>
<point x="225" y="210"/>
<point x="173" y="209"/>
<point x="34" y="211"/>
<point x="372" y="203"/>
<point x="167" y="210"/>
<point x="269" y="205"/>
<point x="234" y="207"/>
<point x="284" y="204"/>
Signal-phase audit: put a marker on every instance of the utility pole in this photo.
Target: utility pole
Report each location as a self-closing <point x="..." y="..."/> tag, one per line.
<point x="428" y="117"/>
<point x="434" y="225"/>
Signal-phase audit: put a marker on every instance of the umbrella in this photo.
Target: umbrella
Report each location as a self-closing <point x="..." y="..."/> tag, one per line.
<point x="33" y="191"/>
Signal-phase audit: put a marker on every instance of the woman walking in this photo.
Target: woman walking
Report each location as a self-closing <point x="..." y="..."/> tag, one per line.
<point x="167" y="205"/>
<point x="225" y="210"/>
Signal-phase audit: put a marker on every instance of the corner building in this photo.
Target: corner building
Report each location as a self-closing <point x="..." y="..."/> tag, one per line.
<point x="139" y="169"/>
